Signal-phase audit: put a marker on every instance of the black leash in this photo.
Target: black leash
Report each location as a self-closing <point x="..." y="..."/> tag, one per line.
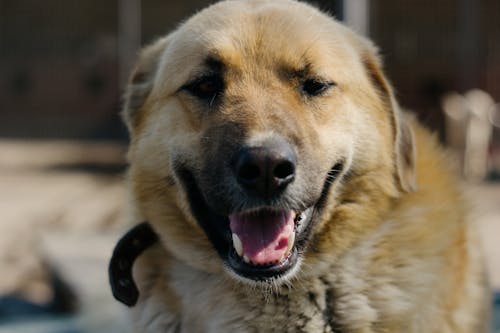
<point x="126" y="251"/>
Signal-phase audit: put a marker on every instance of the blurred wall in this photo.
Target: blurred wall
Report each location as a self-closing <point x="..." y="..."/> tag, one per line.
<point x="58" y="73"/>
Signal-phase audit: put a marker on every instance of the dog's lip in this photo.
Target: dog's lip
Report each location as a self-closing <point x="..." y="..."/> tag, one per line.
<point x="216" y="227"/>
<point x="262" y="273"/>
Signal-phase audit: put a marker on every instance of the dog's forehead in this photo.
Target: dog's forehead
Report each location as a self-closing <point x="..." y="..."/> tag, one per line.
<point x="239" y="34"/>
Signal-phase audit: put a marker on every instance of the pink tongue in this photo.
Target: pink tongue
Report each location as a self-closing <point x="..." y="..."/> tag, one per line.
<point x="264" y="235"/>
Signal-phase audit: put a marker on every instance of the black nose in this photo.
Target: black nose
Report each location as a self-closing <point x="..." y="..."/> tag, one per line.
<point x="266" y="169"/>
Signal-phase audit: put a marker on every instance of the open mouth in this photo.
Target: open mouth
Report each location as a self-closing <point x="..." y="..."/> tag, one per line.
<point x="265" y="242"/>
<point x="261" y="244"/>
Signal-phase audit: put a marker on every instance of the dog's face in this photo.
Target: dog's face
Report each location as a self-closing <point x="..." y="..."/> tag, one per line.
<point x="249" y="125"/>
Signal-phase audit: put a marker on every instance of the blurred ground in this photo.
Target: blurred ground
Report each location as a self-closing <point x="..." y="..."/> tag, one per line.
<point x="62" y="206"/>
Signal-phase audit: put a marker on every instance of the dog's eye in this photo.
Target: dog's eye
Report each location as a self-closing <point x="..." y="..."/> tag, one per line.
<point x="315" y="87"/>
<point x="207" y="87"/>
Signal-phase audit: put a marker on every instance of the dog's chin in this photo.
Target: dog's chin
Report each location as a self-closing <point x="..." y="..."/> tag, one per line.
<point x="264" y="245"/>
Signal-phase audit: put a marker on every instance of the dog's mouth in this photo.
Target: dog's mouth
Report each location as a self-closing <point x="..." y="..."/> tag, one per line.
<point x="260" y="244"/>
<point x="265" y="242"/>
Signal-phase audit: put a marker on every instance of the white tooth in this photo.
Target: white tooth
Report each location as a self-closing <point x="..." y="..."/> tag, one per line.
<point x="245" y="259"/>
<point x="302" y="215"/>
<point x="237" y="245"/>
<point x="291" y="241"/>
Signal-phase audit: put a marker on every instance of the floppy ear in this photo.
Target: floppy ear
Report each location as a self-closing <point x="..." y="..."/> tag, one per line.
<point x="405" y="157"/>
<point x="404" y="143"/>
<point x="141" y="81"/>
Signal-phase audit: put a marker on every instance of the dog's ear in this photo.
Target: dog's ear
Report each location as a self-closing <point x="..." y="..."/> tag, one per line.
<point x="404" y="143"/>
<point x="405" y="157"/>
<point x="141" y="80"/>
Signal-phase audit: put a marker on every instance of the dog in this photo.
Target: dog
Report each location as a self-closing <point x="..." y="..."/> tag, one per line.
<point x="277" y="186"/>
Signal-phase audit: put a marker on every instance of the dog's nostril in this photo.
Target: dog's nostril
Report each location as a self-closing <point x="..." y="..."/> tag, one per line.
<point x="284" y="170"/>
<point x="249" y="172"/>
<point x="267" y="169"/>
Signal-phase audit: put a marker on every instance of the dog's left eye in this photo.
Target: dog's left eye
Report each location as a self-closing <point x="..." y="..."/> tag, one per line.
<point x="206" y="87"/>
<point x="315" y="87"/>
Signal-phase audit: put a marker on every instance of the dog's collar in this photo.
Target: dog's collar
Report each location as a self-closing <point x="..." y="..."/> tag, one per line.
<point x="126" y="251"/>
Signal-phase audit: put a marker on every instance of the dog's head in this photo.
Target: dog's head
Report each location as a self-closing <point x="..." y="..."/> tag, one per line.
<point x="253" y="126"/>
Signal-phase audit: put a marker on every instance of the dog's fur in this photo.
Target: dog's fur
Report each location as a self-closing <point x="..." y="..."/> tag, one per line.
<point x="393" y="249"/>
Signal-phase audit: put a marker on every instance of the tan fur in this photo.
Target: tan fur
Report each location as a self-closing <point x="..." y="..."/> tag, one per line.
<point x="395" y="250"/>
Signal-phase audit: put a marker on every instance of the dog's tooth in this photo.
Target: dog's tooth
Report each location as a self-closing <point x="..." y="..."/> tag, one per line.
<point x="237" y="245"/>
<point x="245" y="259"/>
<point x="300" y="217"/>
<point x="291" y="241"/>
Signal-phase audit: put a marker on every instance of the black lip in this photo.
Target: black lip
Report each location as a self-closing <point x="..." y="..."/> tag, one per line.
<point x="217" y="229"/>
<point x="216" y="226"/>
<point x="261" y="273"/>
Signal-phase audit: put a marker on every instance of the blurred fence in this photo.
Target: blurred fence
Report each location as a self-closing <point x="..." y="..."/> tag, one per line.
<point x="62" y="61"/>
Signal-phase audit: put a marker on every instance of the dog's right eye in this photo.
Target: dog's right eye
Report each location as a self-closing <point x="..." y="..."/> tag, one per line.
<point x="206" y="87"/>
<point x="315" y="87"/>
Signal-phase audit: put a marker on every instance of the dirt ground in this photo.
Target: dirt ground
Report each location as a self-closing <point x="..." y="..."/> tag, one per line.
<point x="63" y="203"/>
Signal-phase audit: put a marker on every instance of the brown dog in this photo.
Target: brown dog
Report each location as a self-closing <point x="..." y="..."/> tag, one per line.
<point x="284" y="189"/>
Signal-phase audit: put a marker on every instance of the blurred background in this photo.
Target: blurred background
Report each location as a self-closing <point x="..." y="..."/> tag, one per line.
<point x="63" y="64"/>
